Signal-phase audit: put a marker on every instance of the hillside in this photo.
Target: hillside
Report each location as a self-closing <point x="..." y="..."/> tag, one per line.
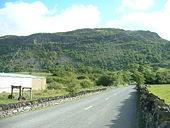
<point x="106" y="48"/>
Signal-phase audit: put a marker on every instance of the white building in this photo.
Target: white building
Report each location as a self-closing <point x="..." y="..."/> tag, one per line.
<point x="8" y="79"/>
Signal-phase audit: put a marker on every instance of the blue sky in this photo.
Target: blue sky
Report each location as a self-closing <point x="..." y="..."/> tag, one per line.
<point x="24" y="17"/>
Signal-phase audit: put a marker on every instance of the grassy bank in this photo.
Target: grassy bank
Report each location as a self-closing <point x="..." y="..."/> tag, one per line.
<point x="162" y="91"/>
<point x="38" y="94"/>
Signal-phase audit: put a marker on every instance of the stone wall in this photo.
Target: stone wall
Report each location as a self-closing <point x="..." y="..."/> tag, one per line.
<point x="16" y="108"/>
<point x="156" y="114"/>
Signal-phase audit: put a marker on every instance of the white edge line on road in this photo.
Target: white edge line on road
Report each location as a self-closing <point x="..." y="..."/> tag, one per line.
<point x="88" y="107"/>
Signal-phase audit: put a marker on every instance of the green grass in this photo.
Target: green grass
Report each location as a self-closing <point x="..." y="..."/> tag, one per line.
<point x="56" y="86"/>
<point x="4" y="98"/>
<point x="162" y="91"/>
<point x="38" y="94"/>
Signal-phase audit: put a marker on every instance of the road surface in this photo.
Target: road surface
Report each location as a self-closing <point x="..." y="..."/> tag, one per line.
<point x="113" y="109"/>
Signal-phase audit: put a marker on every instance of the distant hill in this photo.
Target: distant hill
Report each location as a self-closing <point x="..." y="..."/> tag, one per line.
<point x="105" y="48"/>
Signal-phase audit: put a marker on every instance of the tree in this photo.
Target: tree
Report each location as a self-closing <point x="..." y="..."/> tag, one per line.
<point x="138" y="78"/>
<point x="147" y="71"/>
<point x="127" y="77"/>
<point x="163" y="77"/>
<point x="105" y="80"/>
<point x="133" y="67"/>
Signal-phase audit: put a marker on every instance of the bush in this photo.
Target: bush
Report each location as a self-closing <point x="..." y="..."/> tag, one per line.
<point x="61" y="80"/>
<point x="45" y="91"/>
<point x="58" y="72"/>
<point x="55" y="86"/>
<point x="86" y="83"/>
<point x="73" y="87"/>
<point x="82" y="77"/>
<point x="105" y="80"/>
<point x="50" y="80"/>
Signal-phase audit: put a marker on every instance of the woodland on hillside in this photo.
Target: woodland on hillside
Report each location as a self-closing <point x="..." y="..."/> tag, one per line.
<point x="89" y="57"/>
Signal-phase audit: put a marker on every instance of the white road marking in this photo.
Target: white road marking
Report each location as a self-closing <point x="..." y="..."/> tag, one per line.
<point x="88" y="107"/>
<point x="107" y="98"/>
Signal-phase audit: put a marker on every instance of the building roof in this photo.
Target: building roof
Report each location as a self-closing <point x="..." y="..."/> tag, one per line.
<point x="19" y="75"/>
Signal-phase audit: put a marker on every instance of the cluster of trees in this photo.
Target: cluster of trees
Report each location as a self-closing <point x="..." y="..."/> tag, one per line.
<point x="115" y="78"/>
<point x="143" y="74"/>
<point x="74" y="79"/>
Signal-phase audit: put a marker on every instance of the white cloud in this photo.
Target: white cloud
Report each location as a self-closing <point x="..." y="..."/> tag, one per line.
<point x="22" y="18"/>
<point x="137" y="4"/>
<point x="167" y="6"/>
<point x="156" y="21"/>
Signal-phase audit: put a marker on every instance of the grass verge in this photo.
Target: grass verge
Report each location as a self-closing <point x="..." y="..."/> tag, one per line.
<point x="162" y="91"/>
<point x="72" y="100"/>
<point x="39" y="94"/>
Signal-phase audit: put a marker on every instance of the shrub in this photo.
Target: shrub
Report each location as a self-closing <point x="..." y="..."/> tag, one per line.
<point x="61" y="80"/>
<point x="105" y="80"/>
<point x="86" y="83"/>
<point x="55" y="86"/>
<point x="82" y="77"/>
<point x="50" y="80"/>
<point x="73" y="87"/>
<point x="45" y="91"/>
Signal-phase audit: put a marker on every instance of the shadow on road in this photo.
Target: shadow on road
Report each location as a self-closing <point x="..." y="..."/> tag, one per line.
<point x="127" y="113"/>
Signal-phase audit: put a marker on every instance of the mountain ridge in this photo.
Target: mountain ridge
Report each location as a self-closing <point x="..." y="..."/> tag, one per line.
<point x="106" y="48"/>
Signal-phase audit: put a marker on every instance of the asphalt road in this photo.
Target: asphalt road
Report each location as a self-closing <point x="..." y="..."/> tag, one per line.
<point x="113" y="109"/>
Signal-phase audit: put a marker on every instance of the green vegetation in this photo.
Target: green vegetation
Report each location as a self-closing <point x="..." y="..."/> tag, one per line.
<point x="161" y="91"/>
<point x="144" y="74"/>
<point x="108" y="49"/>
<point x="63" y="80"/>
<point x="4" y="98"/>
<point x="38" y="94"/>
<point x="74" y="79"/>
<point x="88" y="58"/>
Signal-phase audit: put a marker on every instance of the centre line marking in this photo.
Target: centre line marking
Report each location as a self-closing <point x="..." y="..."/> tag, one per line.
<point x="107" y="99"/>
<point x="88" y="107"/>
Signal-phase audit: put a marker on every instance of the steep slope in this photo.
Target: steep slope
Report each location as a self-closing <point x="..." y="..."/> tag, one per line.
<point x="106" y="48"/>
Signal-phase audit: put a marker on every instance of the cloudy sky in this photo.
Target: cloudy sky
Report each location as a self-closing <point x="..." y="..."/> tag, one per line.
<point x="24" y="17"/>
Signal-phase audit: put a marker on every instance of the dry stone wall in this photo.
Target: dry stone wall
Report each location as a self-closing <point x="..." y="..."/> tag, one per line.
<point x="16" y="108"/>
<point x="156" y="114"/>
